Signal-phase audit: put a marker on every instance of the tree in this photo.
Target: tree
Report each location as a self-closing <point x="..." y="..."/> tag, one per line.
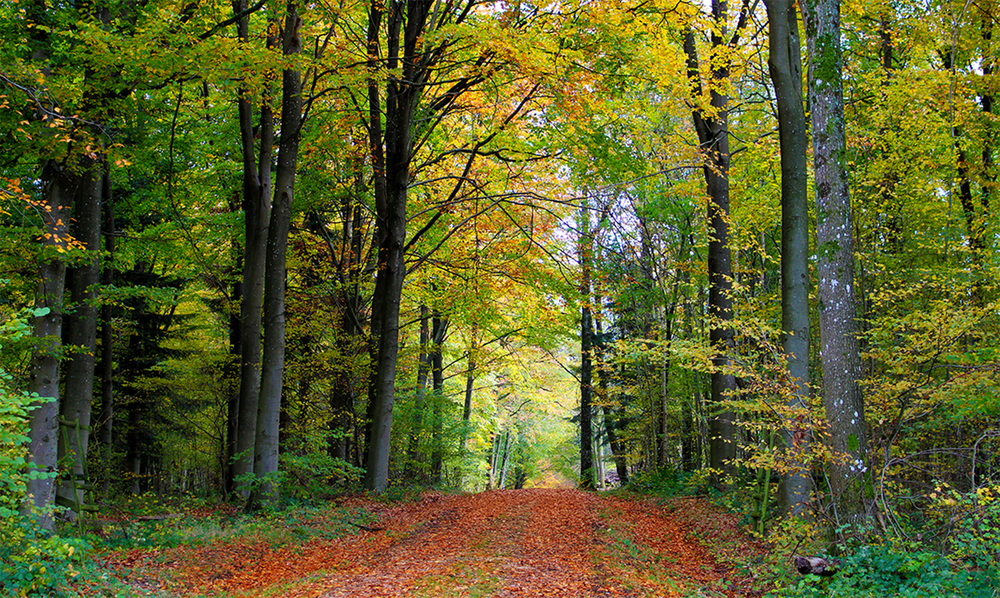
<point x="257" y="215"/>
<point x="839" y="355"/>
<point x="785" y="64"/>
<point x="712" y="126"/>
<point x="425" y="79"/>
<point x="273" y="356"/>
<point x="586" y="353"/>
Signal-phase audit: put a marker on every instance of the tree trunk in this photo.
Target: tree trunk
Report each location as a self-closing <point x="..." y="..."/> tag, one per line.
<point x="786" y="74"/>
<point x="835" y="265"/>
<point x="609" y="420"/>
<point x="505" y="460"/>
<point x="233" y="371"/>
<point x="273" y="358"/>
<point x="713" y="136"/>
<point x="470" y="378"/>
<point x="423" y="366"/>
<point x="80" y="333"/>
<point x="586" y="355"/>
<point x="257" y="214"/>
<point x="57" y="194"/>
<point x="402" y="96"/>
<point x="107" y="333"/>
<point x="439" y="328"/>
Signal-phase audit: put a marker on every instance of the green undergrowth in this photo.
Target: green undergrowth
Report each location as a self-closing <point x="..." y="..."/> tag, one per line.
<point x="73" y="562"/>
<point x="884" y="572"/>
<point x="153" y="523"/>
<point x="669" y="483"/>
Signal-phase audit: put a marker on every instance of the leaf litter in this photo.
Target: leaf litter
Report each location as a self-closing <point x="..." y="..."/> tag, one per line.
<point x="501" y="543"/>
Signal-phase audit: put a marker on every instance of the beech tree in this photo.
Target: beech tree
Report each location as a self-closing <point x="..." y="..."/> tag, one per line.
<point x="256" y="204"/>
<point x="273" y="353"/>
<point x="785" y="63"/>
<point x="426" y="74"/>
<point x="838" y="328"/>
<point x="712" y="127"/>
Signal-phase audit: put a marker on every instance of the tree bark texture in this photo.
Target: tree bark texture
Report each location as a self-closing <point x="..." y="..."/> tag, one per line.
<point x="391" y="182"/>
<point x="785" y="64"/>
<point x="839" y="356"/>
<point x="273" y="356"/>
<point x="257" y="215"/>
<point x="713" y="137"/>
<point x="57" y="195"/>
<point x="80" y="332"/>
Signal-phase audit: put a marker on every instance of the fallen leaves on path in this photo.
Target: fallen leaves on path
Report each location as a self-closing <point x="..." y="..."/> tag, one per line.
<point x="503" y="543"/>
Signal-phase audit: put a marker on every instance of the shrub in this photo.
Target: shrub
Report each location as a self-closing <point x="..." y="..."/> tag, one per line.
<point x="884" y="572"/>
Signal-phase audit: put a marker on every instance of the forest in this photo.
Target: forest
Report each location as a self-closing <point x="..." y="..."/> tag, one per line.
<point x="260" y="257"/>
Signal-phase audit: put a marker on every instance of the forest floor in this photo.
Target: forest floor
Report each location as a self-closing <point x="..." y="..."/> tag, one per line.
<point x="504" y="543"/>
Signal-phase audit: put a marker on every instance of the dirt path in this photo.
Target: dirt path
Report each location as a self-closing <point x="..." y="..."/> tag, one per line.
<point x="506" y="543"/>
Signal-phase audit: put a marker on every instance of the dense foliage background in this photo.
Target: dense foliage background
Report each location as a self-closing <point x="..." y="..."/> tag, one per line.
<point x="282" y="251"/>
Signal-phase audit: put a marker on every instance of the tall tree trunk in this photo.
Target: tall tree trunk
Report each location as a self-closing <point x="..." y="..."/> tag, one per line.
<point x="273" y="357"/>
<point x="713" y="137"/>
<point x="785" y="64"/>
<point x="586" y="355"/>
<point x="57" y="195"/>
<point x="839" y="356"/>
<point x="505" y="460"/>
<point x="80" y="333"/>
<point x="233" y="370"/>
<point x="257" y="215"/>
<point x="603" y="391"/>
<point x="391" y="182"/>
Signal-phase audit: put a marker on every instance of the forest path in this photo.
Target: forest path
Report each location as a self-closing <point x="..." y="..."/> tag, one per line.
<point x="502" y="543"/>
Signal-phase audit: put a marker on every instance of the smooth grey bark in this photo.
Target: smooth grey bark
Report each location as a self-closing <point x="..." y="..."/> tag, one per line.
<point x="785" y="65"/>
<point x="391" y="181"/>
<point x="586" y="354"/>
<point x="257" y="215"/>
<point x="273" y="356"/>
<point x="838" y="327"/>
<point x="57" y="195"/>
<point x="80" y="334"/>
